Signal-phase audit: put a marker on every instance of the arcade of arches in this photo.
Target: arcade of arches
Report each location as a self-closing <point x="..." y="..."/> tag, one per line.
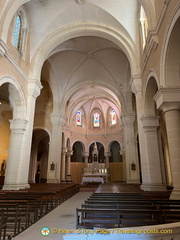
<point x="90" y="88"/>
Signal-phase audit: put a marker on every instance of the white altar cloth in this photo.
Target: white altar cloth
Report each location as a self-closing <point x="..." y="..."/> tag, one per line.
<point x="92" y="179"/>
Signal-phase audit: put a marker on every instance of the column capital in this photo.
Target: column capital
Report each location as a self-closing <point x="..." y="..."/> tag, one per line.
<point x="69" y="153"/>
<point x="168" y="98"/>
<point x="122" y="152"/>
<point x="34" y="88"/>
<point x="64" y="150"/>
<point x="136" y="84"/>
<point x="18" y="125"/>
<point x="107" y="154"/>
<point x="86" y="154"/>
<point x="128" y="118"/>
<point x="150" y="123"/>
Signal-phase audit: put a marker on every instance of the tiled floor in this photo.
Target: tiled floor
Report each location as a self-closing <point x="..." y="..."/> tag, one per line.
<point x="62" y="217"/>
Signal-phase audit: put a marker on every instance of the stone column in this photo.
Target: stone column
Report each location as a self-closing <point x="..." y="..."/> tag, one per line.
<point x="86" y="155"/>
<point x="68" y="173"/>
<point x="122" y="152"/>
<point x="172" y="119"/>
<point x="107" y="155"/>
<point x="63" y="165"/>
<point x="53" y="176"/>
<point x="136" y="86"/>
<point x="168" y="100"/>
<point x="152" y="169"/>
<point x="34" y="88"/>
<point x="20" y="143"/>
<point x="16" y="170"/>
<point x="32" y="166"/>
<point x="130" y="149"/>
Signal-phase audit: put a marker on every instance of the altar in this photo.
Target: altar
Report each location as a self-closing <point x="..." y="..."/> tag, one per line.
<point x="92" y="179"/>
<point x="95" y="171"/>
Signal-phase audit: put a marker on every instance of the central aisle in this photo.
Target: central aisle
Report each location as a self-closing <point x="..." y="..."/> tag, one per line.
<point x="62" y="217"/>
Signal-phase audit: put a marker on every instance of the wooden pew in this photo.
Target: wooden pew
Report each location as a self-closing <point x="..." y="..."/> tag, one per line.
<point x="3" y="225"/>
<point x="130" y="202"/>
<point x="31" y="205"/>
<point x="90" y="218"/>
<point x="165" y="210"/>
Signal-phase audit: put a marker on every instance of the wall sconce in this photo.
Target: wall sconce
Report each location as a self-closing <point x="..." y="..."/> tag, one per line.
<point x="52" y="167"/>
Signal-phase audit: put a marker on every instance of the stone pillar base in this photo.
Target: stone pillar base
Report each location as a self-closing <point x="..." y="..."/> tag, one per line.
<point x="175" y="195"/>
<point x="31" y="181"/>
<point x="152" y="187"/>
<point x="68" y="179"/>
<point x="63" y="180"/>
<point x="15" y="186"/>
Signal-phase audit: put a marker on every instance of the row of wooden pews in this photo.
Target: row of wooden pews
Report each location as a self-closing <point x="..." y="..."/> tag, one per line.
<point x="112" y="210"/>
<point x="20" y="209"/>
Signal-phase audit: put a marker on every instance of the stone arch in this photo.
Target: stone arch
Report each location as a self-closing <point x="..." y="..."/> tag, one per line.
<point x="171" y="37"/>
<point x="11" y="10"/>
<point x="173" y="57"/>
<point x="115" y="152"/>
<point x="73" y="31"/>
<point x="13" y="94"/>
<point x="39" y="156"/>
<point x="107" y="90"/>
<point x="100" y="148"/>
<point x="150" y="90"/>
<point x="43" y="128"/>
<point x="52" y="81"/>
<point x="110" y="144"/>
<point x="78" y="152"/>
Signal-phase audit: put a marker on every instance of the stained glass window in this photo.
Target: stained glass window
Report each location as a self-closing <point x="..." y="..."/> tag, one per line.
<point x="96" y="120"/>
<point x="17" y="31"/>
<point x="113" y="117"/>
<point x="79" y="118"/>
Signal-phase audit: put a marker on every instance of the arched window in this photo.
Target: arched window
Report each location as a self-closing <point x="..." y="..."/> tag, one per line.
<point x="113" y="117"/>
<point x="96" y="120"/>
<point x="79" y="118"/>
<point x="20" y="31"/>
<point x="17" y="31"/>
<point x="144" y="26"/>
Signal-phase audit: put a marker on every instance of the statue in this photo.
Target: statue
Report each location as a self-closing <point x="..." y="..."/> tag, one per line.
<point x="52" y="166"/>
<point x="3" y="167"/>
